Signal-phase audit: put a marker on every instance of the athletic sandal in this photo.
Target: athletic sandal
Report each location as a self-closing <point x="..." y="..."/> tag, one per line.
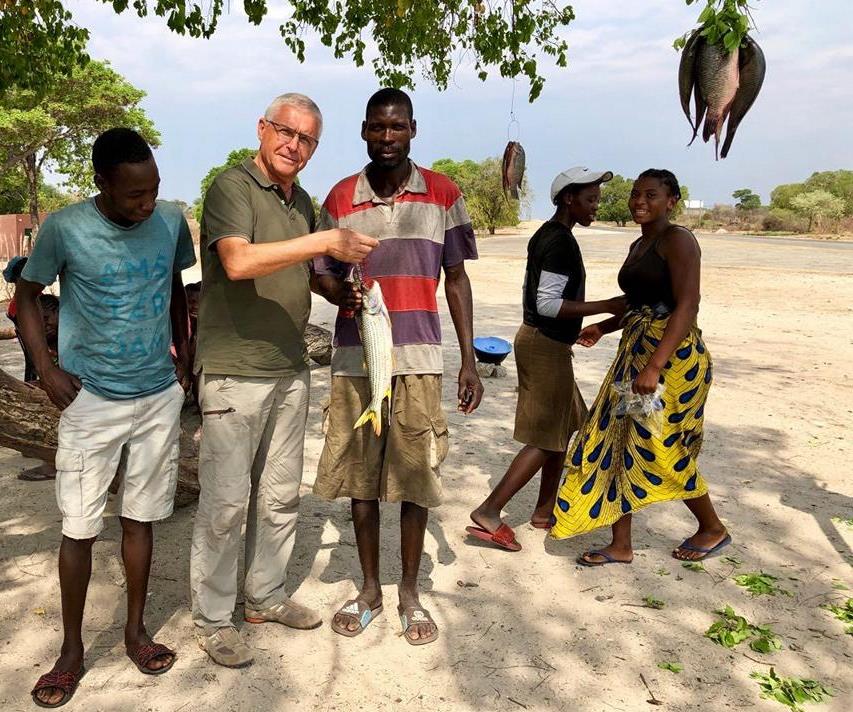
<point x="584" y="561"/>
<point x="706" y="552"/>
<point x="412" y="616"/>
<point x="358" y="611"/>
<point x="66" y="682"/>
<point x="503" y="537"/>
<point x="286" y="612"/>
<point x="144" y="654"/>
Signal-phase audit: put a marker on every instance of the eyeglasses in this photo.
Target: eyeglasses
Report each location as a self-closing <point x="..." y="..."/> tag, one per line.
<point x="286" y="135"/>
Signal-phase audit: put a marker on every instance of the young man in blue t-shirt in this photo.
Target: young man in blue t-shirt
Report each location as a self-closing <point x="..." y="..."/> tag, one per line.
<point x="119" y="258"/>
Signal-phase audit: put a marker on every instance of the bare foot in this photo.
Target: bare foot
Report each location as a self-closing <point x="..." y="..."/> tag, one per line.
<point x="706" y="539"/>
<point x="485" y="519"/>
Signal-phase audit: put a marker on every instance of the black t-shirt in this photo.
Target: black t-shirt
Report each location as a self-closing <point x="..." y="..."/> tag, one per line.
<point x="554" y="272"/>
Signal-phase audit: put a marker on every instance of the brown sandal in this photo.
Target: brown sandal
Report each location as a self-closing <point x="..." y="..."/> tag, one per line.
<point x="65" y="681"/>
<point x="144" y="654"/>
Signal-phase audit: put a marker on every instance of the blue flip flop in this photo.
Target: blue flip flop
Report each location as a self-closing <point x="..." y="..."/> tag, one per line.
<point x="687" y="546"/>
<point x="607" y="559"/>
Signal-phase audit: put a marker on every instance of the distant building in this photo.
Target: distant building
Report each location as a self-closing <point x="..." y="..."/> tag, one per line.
<point x="694" y="204"/>
<point x="15" y="235"/>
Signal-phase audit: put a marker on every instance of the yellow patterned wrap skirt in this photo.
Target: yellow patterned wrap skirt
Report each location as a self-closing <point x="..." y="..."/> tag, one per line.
<point x="614" y="465"/>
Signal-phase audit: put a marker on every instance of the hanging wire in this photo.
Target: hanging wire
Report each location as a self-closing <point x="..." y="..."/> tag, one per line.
<point x="512" y="120"/>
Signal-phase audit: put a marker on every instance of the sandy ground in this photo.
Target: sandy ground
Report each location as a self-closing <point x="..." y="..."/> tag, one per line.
<point x="530" y="630"/>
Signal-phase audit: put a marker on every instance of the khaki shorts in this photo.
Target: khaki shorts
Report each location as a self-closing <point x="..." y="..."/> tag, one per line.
<point x="402" y="464"/>
<point x="550" y="407"/>
<point x="94" y="432"/>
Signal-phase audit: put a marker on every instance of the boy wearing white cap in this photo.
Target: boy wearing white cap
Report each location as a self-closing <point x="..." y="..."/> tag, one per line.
<point x="550" y="407"/>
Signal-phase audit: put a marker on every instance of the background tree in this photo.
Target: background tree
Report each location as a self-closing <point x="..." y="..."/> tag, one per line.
<point x="837" y="183"/>
<point x="679" y="206"/>
<point x="614" y="201"/>
<point x="56" y="129"/>
<point x="481" y="185"/>
<point x="15" y="199"/>
<point x="746" y="199"/>
<point x="235" y="158"/>
<point x="817" y="206"/>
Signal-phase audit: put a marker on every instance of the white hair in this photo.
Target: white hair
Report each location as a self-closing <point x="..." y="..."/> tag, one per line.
<point x="297" y="101"/>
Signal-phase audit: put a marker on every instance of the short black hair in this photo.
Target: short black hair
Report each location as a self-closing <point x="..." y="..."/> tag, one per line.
<point x="48" y="302"/>
<point x="116" y="146"/>
<point x="390" y="97"/>
<point x="666" y="177"/>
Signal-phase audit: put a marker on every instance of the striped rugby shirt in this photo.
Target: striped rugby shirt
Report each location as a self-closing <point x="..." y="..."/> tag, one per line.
<point x="425" y="227"/>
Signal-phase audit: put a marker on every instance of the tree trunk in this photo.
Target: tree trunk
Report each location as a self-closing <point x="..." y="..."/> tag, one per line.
<point x="32" y="173"/>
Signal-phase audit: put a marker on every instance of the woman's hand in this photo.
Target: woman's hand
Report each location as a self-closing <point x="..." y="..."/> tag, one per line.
<point x="647" y="380"/>
<point x="589" y="335"/>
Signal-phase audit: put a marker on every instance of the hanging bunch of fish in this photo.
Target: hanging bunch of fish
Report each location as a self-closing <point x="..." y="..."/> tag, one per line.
<point x="724" y="84"/>
<point x="512" y="169"/>
<point x="374" y="327"/>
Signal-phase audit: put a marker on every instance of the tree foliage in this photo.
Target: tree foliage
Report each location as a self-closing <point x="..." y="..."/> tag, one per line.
<point x="818" y="206"/>
<point x="837" y="183"/>
<point x="406" y="36"/>
<point x="614" y="201"/>
<point x="481" y="186"/>
<point x="14" y="196"/>
<point x="235" y="158"/>
<point x="38" y="43"/>
<point x="746" y="199"/>
<point x="56" y="129"/>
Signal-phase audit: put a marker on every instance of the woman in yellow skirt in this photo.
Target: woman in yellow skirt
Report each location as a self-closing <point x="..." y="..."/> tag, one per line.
<point x="616" y="465"/>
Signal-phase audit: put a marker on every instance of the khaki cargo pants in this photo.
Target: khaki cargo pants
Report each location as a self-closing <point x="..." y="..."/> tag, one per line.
<point x="402" y="464"/>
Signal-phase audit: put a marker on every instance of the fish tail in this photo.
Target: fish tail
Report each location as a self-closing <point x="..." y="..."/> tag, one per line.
<point x="369" y="416"/>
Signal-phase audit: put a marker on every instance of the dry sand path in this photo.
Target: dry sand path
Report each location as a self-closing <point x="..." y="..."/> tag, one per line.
<point x="529" y="630"/>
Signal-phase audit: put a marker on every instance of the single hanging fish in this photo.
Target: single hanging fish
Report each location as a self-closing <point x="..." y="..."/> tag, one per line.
<point x="752" y="71"/>
<point x="374" y="327"/>
<point x="512" y="169"/>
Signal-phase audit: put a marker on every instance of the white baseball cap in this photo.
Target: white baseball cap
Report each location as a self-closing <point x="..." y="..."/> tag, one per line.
<point x="579" y="175"/>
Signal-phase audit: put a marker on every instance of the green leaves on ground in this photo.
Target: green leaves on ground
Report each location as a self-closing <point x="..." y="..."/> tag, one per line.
<point x="672" y="667"/>
<point x="760" y="583"/>
<point x="694" y="565"/>
<point x="844" y="613"/>
<point x="732" y="630"/>
<point x="844" y="520"/>
<point x="790" y="691"/>
<point x="652" y="602"/>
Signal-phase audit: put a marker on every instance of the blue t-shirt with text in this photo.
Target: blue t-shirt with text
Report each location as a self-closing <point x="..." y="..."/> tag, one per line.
<point x="115" y="289"/>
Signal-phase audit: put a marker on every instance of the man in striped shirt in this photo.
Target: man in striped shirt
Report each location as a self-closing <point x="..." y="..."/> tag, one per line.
<point x="420" y="220"/>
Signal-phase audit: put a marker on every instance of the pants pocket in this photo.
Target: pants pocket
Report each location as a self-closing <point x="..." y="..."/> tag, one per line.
<point x="439" y="442"/>
<point x="69" y="481"/>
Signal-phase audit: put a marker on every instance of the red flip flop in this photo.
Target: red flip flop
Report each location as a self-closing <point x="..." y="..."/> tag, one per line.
<point x="503" y="538"/>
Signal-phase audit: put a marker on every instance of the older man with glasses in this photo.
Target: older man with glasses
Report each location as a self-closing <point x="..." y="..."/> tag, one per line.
<point x="257" y="240"/>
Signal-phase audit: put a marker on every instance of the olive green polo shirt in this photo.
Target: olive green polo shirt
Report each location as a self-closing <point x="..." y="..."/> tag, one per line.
<point x="252" y="327"/>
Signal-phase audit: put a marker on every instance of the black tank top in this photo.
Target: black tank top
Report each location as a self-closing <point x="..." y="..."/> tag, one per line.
<point x="646" y="280"/>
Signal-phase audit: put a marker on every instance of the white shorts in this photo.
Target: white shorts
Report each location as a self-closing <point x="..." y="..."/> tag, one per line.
<point x="93" y="433"/>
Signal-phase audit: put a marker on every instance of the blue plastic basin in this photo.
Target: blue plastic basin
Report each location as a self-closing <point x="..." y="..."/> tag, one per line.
<point x="491" y="349"/>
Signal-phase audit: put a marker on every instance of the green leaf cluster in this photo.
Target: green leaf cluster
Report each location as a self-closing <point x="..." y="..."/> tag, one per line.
<point x="672" y="667"/>
<point x="731" y="630"/>
<point x="507" y="38"/>
<point x="38" y="44"/>
<point x="760" y="584"/>
<point x="482" y="187"/>
<point x="613" y="206"/>
<point x="844" y="613"/>
<point x="790" y="691"/>
<point x="697" y="566"/>
<point x="746" y="199"/>
<point x="724" y="22"/>
<point x="652" y="602"/>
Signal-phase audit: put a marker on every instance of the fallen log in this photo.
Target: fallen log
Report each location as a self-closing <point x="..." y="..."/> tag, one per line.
<point x="28" y="420"/>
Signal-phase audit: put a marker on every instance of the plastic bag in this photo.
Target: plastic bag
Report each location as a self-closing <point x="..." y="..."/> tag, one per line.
<point x="647" y="410"/>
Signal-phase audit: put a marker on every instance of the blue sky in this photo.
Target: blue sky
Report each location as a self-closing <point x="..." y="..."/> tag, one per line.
<point x="614" y="107"/>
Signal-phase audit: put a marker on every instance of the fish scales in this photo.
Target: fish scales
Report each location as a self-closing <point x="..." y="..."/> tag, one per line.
<point x="374" y="324"/>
